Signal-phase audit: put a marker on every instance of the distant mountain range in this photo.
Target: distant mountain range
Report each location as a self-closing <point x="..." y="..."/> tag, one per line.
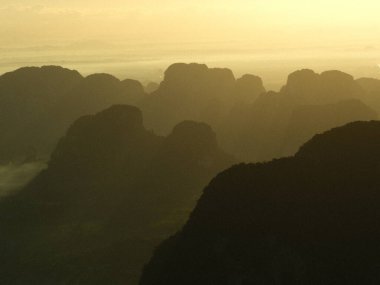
<point x="37" y="105"/>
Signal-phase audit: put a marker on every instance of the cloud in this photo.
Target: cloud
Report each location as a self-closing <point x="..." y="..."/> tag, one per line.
<point x="13" y="177"/>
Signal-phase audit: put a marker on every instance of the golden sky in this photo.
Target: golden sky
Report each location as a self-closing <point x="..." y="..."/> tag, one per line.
<point x="263" y="23"/>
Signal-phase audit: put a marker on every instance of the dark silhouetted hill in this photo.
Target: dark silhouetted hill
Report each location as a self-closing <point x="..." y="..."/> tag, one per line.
<point x="96" y="92"/>
<point x="38" y="104"/>
<point x="308" y="219"/>
<point x="111" y="192"/>
<point x="27" y="97"/>
<point x="47" y="81"/>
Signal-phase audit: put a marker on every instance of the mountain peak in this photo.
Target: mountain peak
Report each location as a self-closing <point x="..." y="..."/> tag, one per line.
<point x="354" y="144"/>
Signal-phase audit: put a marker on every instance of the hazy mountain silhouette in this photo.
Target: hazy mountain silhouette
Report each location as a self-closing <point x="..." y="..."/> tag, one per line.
<point x="253" y="124"/>
<point x="308" y="219"/>
<point x="307" y="87"/>
<point x="38" y="104"/>
<point x="27" y="99"/>
<point x="371" y="87"/>
<point x="369" y="84"/>
<point x="308" y="120"/>
<point x="264" y="128"/>
<point x="196" y="92"/>
<point x="248" y="88"/>
<point x="151" y="87"/>
<point x="111" y="192"/>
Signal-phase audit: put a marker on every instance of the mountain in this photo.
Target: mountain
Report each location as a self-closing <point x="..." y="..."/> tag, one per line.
<point x="151" y="87"/>
<point x="369" y="84"/>
<point x="307" y="219"/>
<point x="111" y="192"/>
<point x="27" y="97"/>
<point x="253" y="124"/>
<point x="248" y="88"/>
<point x="308" y="120"/>
<point x="197" y="92"/>
<point x="278" y="123"/>
<point x="37" y="105"/>
<point x="308" y="87"/>
<point x="371" y="87"/>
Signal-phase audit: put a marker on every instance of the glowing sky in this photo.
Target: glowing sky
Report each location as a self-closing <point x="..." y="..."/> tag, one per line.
<point x="266" y="23"/>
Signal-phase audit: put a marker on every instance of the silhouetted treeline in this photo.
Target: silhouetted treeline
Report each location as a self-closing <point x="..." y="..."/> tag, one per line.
<point x="308" y="219"/>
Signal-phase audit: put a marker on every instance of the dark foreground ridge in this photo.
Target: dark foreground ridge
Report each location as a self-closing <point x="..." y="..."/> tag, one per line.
<point x="308" y="219"/>
<point x="112" y="191"/>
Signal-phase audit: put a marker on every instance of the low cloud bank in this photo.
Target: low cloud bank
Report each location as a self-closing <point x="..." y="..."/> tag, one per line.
<point x="15" y="176"/>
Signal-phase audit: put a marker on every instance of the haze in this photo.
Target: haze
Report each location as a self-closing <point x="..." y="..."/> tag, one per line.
<point x="149" y="35"/>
